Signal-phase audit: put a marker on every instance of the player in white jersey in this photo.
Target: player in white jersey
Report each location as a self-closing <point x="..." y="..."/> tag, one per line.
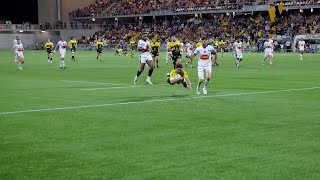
<point x="14" y="43"/>
<point x="267" y="51"/>
<point x="301" y="47"/>
<point x="205" y="64"/>
<point x="168" y="53"/>
<point x="271" y="44"/>
<point x="62" y="44"/>
<point x="18" y="50"/>
<point x="181" y="47"/>
<point x="189" y="50"/>
<point x="145" y="57"/>
<point x="237" y="50"/>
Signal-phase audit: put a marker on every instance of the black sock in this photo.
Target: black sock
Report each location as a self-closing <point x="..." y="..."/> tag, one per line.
<point x="138" y="73"/>
<point x="150" y="72"/>
<point x="51" y="59"/>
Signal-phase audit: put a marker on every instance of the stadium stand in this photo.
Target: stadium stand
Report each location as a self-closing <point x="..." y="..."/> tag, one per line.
<point x="191" y="19"/>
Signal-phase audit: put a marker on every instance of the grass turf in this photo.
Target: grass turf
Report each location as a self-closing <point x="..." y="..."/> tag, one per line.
<point x="89" y="121"/>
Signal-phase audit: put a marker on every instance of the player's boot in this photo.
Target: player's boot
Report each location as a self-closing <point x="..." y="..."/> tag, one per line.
<point x="135" y="81"/>
<point x="149" y="81"/>
<point x="204" y="90"/>
<point x="198" y="90"/>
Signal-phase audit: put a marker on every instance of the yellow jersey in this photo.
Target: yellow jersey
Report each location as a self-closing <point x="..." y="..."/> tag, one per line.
<point x="183" y="73"/>
<point x="222" y="44"/>
<point x="155" y="46"/>
<point x="99" y="45"/>
<point x="132" y="43"/>
<point x="72" y="43"/>
<point x="48" y="45"/>
<point x="198" y="44"/>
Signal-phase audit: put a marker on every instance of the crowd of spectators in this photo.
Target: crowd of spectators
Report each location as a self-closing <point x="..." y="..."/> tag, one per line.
<point x="138" y="6"/>
<point x="196" y="5"/>
<point x="134" y="7"/>
<point x="252" y="29"/>
<point x="98" y="7"/>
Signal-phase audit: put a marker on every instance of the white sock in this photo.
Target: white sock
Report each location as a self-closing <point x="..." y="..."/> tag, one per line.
<point x="237" y="62"/>
<point x="300" y="56"/>
<point x="63" y="65"/>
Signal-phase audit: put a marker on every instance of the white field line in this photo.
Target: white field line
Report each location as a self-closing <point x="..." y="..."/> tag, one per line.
<point x="154" y="100"/>
<point x="89" y="82"/>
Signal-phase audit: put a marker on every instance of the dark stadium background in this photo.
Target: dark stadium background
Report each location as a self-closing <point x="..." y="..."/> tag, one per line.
<point x="19" y="11"/>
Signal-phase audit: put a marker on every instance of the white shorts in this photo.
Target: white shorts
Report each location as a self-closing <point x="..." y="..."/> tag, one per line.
<point x="268" y="53"/>
<point x="144" y="57"/>
<point x="202" y="70"/>
<point x="62" y="53"/>
<point x="19" y="54"/>
<point x="189" y="53"/>
<point x="238" y="55"/>
<point x="301" y="49"/>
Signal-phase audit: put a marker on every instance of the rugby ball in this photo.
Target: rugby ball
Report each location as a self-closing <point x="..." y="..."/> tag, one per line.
<point x="178" y="76"/>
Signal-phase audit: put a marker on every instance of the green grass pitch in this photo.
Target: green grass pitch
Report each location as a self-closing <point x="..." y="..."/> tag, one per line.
<point x="90" y="122"/>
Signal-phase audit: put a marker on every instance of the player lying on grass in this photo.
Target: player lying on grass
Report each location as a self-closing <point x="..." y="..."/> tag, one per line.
<point x="179" y="76"/>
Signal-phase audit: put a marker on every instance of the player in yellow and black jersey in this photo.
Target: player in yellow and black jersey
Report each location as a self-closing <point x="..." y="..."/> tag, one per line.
<point x="73" y="47"/>
<point x="174" y="51"/>
<point x="99" y="45"/>
<point x="155" y="50"/>
<point x="132" y="45"/>
<point x="179" y="76"/>
<point x="49" y="46"/>
<point x="222" y="46"/>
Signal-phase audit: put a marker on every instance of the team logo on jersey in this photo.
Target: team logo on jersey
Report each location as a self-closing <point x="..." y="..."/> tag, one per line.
<point x="204" y="57"/>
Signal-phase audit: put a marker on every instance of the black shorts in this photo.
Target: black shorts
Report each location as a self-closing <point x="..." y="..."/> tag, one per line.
<point x="73" y="49"/>
<point x="99" y="50"/>
<point x="154" y="54"/>
<point x="49" y="51"/>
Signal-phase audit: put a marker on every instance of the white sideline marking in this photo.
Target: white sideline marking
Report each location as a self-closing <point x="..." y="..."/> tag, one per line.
<point x="154" y="100"/>
<point x="89" y="82"/>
